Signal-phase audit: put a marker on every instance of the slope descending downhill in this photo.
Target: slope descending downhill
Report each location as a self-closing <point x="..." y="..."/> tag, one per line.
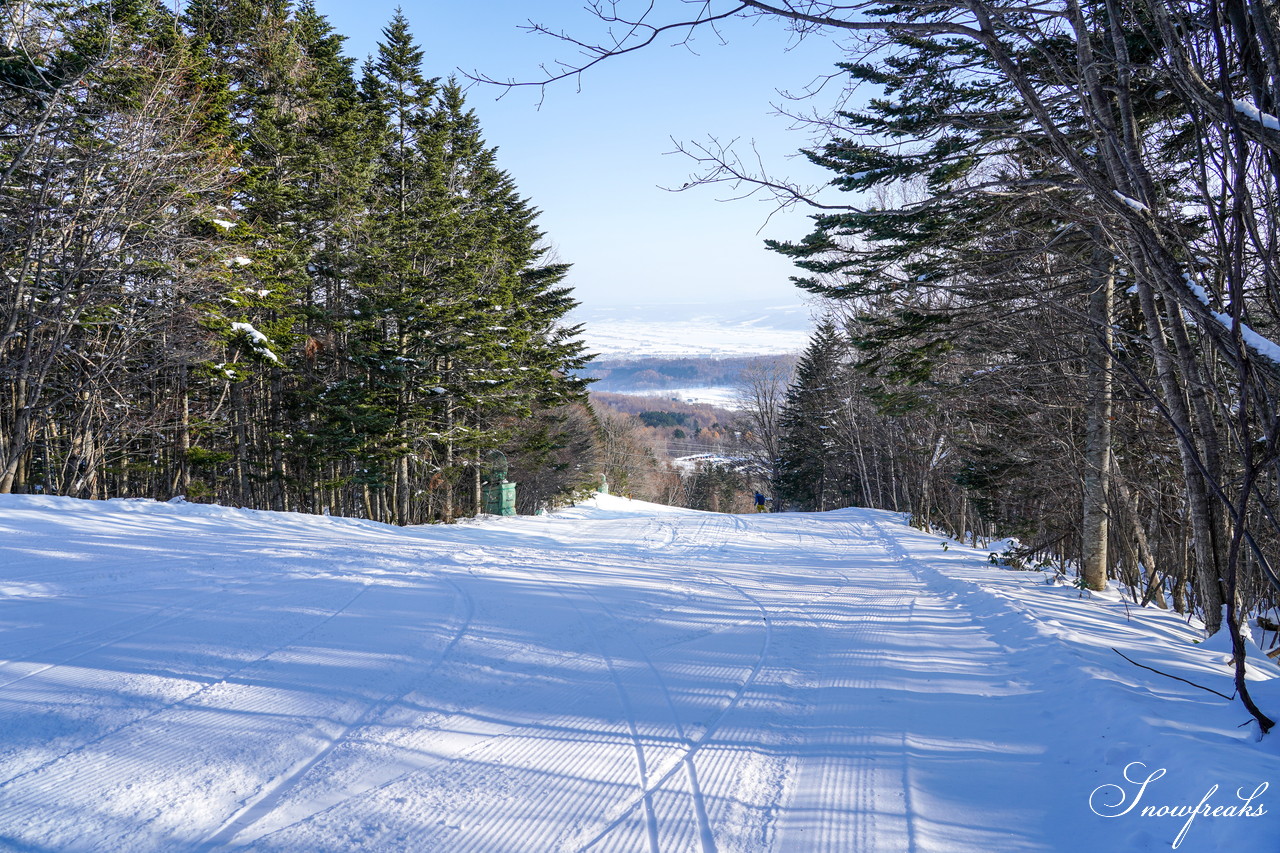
<point x="617" y="676"/>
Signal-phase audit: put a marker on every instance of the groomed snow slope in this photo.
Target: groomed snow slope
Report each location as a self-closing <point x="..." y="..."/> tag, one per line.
<point x="614" y="677"/>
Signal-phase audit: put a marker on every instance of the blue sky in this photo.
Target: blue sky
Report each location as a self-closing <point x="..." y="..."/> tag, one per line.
<point x="593" y="156"/>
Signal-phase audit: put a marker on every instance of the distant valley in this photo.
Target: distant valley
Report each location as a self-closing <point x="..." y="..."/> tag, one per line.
<point x="692" y="380"/>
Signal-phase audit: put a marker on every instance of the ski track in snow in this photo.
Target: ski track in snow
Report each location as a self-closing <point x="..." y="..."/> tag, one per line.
<point x="614" y="677"/>
<point x="274" y="793"/>
<point x="688" y="746"/>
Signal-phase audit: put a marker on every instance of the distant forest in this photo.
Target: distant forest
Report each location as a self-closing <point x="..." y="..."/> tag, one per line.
<point x="624" y="375"/>
<point x="643" y="435"/>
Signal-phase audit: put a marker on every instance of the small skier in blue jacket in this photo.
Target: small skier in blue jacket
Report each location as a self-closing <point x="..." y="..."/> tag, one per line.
<point x="759" y="502"/>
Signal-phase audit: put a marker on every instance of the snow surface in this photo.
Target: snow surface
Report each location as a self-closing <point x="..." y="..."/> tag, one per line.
<point x="616" y="676"/>
<point x="694" y="330"/>
<point x="724" y="396"/>
<point x="680" y="338"/>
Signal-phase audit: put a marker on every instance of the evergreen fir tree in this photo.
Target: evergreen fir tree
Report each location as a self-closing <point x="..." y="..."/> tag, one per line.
<point x="812" y="473"/>
<point x="301" y="292"/>
<point x="464" y="322"/>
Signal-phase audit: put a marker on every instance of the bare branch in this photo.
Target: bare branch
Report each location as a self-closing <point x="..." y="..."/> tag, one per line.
<point x="639" y="35"/>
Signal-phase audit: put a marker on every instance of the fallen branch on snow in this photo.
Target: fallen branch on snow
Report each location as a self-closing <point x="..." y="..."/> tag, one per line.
<point x="1174" y="677"/>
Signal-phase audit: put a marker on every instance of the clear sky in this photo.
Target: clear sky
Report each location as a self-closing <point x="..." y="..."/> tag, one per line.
<point x="594" y="155"/>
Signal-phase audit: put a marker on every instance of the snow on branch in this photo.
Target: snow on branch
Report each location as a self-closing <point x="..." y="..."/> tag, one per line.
<point x="1265" y="119"/>
<point x="1131" y="203"/>
<point x="261" y="343"/>
<point x="1258" y="343"/>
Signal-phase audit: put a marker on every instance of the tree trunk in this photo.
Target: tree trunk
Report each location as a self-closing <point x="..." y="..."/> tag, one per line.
<point x="1094" y="558"/>
<point x="1199" y="506"/>
<point x="240" y="451"/>
<point x="1154" y="591"/>
<point x="182" y="473"/>
<point x="18" y="444"/>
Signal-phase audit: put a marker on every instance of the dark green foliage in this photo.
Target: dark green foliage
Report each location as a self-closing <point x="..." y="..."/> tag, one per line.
<point x="663" y="419"/>
<point x="813" y="471"/>
<point x="346" y="301"/>
<point x="556" y="457"/>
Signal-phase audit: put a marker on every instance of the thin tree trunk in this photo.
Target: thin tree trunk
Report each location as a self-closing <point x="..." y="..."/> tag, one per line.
<point x="1094" y="560"/>
<point x="1199" y="507"/>
<point x="182" y="474"/>
<point x="19" y="442"/>
<point x="1154" y="591"/>
<point x="241" y="449"/>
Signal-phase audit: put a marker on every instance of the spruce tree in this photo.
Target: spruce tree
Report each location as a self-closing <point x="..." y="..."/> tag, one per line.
<point x="286" y="289"/>
<point x="463" y="328"/>
<point x="330" y="174"/>
<point x="812" y="472"/>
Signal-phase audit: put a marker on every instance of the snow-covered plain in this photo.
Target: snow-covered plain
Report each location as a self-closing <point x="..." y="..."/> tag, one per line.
<point x="750" y="327"/>
<point x="616" y="676"/>
<point x="714" y="395"/>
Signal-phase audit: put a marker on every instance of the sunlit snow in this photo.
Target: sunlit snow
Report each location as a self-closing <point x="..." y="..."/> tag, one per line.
<point x="616" y="676"/>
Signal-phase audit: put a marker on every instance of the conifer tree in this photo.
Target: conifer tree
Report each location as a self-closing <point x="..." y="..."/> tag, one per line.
<point x="232" y="272"/>
<point x="812" y="471"/>
<point x="459" y="321"/>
